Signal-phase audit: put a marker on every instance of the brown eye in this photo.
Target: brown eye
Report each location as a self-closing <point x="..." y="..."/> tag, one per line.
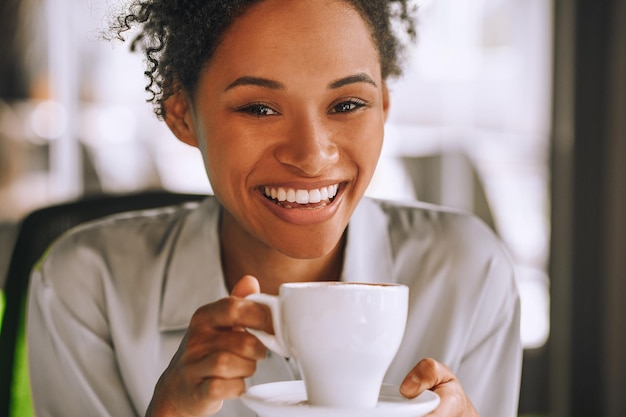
<point x="347" y="106"/>
<point x="258" y="110"/>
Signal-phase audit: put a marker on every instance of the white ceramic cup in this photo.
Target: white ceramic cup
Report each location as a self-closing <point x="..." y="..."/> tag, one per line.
<point x="343" y="336"/>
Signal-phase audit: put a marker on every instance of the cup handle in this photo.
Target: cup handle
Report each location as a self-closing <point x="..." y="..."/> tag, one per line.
<point x="275" y="342"/>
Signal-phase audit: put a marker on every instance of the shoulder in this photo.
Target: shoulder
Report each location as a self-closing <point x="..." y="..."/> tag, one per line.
<point x="429" y="242"/>
<point x="458" y="230"/>
<point x="93" y="255"/>
<point x="133" y="229"/>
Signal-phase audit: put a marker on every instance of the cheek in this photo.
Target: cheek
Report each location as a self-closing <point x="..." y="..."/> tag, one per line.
<point x="365" y="146"/>
<point x="216" y="154"/>
<point x="230" y="157"/>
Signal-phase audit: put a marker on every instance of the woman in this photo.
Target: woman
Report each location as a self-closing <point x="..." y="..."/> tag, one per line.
<point x="286" y="101"/>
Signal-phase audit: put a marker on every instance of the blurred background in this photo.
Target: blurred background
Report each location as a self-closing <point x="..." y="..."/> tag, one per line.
<point x="512" y="109"/>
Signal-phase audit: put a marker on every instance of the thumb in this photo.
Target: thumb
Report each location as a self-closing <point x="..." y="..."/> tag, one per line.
<point x="245" y="286"/>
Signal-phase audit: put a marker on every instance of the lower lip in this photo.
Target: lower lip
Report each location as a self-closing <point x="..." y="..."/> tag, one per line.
<point x="304" y="215"/>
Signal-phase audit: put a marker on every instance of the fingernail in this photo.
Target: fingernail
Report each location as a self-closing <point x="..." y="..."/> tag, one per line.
<point x="409" y="386"/>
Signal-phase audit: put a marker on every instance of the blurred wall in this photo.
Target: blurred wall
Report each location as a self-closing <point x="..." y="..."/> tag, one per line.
<point x="13" y="38"/>
<point x="588" y="267"/>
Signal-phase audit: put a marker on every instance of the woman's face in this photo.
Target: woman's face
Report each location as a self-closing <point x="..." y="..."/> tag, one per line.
<point x="289" y="117"/>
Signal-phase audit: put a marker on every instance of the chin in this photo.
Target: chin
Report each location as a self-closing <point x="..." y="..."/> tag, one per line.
<point x="308" y="248"/>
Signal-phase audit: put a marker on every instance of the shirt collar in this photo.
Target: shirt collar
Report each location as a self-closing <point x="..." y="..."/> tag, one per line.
<point x="194" y="277"/>
<point x="368" y="256"/>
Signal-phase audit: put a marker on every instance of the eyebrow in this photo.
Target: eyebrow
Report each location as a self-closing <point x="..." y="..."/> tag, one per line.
<point x="257" y="81"/>
<point x="275" y="85"/>
<point x="357" y="78"/>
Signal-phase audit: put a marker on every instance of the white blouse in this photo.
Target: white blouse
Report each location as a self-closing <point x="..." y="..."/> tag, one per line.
<point x="110" y="301"/>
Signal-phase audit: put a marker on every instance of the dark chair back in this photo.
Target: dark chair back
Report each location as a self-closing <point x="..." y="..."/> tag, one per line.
<point x="37" y="231"/>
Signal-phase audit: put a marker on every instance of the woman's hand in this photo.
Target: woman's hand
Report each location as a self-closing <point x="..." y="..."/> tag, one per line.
<point x="214" y="357"/>
<point x="432" y="375"/>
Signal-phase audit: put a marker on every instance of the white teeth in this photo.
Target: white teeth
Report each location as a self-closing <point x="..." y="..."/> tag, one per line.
<point x="281" y="194"/>
<point x="315" y="196"/>
<point x="302" y="196"/>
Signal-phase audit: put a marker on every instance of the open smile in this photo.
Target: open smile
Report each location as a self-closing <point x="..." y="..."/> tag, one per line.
<point x="301" y="198"/>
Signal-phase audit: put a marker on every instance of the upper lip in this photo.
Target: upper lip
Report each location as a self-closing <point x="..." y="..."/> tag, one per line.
<point x="302" y="185"/>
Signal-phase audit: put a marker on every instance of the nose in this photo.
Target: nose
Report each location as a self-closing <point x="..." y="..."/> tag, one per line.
<point x="309" y="147"/>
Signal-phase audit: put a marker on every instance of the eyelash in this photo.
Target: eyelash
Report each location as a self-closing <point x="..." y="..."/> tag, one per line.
<point x="262" y="110"/>
<point x="258" y="110"/>
<point x="353" y="103"/>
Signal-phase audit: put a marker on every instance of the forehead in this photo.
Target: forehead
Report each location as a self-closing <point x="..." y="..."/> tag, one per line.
<point x="297" y="34"/>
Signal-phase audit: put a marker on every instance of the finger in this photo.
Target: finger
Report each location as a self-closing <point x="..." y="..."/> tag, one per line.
<point x="245" y="345"/>
<point x="453" y="401"/>
<point x="212" y="393"/>
<point x="216" y="389"/>
<point x="224" y="365"/>
<point x="428" y="373"/>
<point x="245" y="286"/>
<point x="229" y="312"/>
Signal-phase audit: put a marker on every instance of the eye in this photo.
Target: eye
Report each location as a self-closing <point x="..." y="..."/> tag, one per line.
<point x="347" y="106"/>
<point x="258" y="110"/>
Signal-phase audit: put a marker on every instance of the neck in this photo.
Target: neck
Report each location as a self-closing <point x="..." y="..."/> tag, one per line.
<point x="242" y="254"/>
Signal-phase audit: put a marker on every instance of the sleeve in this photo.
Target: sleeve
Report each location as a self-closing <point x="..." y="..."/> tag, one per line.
<point x="493" y="358"/>
<point x="72" y="364"/>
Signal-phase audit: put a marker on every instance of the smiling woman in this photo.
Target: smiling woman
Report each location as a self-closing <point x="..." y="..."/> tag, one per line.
<point x="286" y="101"/>
<point x="301" y="123"/>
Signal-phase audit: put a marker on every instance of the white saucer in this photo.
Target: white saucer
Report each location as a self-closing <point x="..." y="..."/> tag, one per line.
<point x="288" y="399"/>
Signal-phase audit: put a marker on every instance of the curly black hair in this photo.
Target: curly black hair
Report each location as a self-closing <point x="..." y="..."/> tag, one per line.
<point x="178" y="37"/>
